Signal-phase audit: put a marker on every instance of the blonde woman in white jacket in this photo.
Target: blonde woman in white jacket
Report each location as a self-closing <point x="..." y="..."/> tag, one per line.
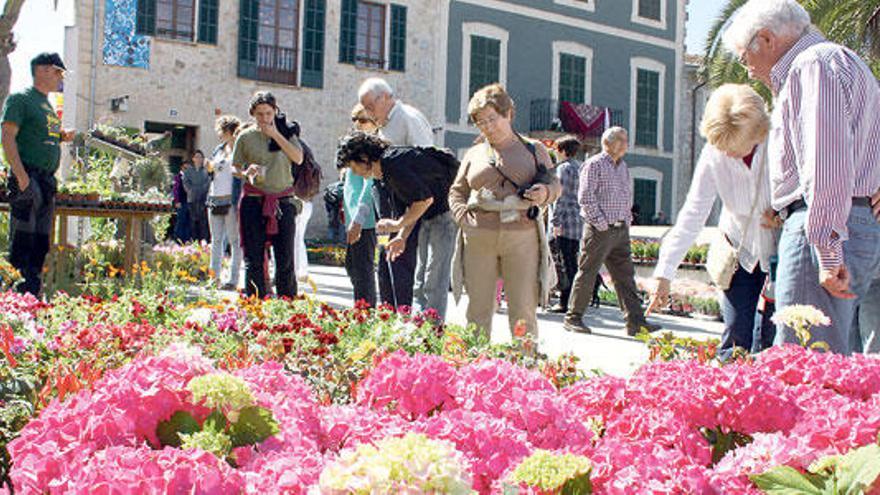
<point x="732" y="167"/>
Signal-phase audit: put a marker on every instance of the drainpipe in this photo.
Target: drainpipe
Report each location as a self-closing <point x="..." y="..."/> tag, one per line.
<point x="696" y="91"/>
<point x="94" y="63"/>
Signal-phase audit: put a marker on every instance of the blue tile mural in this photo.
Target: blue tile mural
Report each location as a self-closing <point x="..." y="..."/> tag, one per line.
<point x="121" y="45"/>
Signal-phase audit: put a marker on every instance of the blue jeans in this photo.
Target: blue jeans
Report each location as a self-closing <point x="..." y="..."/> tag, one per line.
<point x="797" y="281"/>
<point x="436" y="246"/>
<point x="869" y="318"/>
<point x="739" y="305"/>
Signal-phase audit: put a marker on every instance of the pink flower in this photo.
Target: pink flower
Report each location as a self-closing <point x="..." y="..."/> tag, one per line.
<point x="412" y="386"/>
<point x="348" y="426"/>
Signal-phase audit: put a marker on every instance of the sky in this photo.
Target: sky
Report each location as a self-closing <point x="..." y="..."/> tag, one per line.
<point x="40" y="28"/>
<point x="701" y="16"/>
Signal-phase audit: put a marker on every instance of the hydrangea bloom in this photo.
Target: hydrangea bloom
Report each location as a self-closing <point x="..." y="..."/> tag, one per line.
<point x="492" y="445"/>
<point x="548" y="471"/>
<point x="411" y="464"/>
<point x="412" y="386"/>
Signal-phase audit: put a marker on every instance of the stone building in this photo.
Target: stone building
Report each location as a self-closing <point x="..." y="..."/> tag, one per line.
<point x="174" y="65"/>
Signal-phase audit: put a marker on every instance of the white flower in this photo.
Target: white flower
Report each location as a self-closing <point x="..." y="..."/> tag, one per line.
<point x="200" y="316"/>
<point x="800" y="316"/>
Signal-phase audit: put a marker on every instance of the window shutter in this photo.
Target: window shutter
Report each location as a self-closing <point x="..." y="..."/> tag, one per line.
<point x="145" y="22"/>
<point x="647" y="107"/>
<point x="398" y="38"/>
<point x="208" y="11"/>
<point x="313" y="46"/>
<point x="247" y="38"/>
<point x="348" y="32"/>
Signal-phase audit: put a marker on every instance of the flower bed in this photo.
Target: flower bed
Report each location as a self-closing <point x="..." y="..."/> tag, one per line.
<point x="143" y="393"/>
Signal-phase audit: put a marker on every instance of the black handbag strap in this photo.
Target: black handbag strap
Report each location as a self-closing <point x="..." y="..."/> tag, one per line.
<point x="493" y="159"/>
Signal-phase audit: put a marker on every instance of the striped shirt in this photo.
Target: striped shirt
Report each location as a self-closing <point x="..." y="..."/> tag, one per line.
<point x="566" y="212"/>
<point x="824" y="143"/>
<point x="605" y="192"/>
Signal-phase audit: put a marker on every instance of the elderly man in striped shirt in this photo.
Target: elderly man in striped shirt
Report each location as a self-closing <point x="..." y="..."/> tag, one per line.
<point x="824" y="151"/>
<point x="605" y="197"/>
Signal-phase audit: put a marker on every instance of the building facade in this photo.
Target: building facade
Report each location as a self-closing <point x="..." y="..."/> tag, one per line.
<point x="623" y="55"/>
<point x="174" y="65"/>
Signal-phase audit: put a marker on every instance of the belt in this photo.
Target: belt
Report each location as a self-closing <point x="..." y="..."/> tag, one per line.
<point x="800" y="204"/>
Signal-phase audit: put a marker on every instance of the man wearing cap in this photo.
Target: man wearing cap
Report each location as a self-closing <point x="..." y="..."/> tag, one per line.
<point x="32" y="136"/>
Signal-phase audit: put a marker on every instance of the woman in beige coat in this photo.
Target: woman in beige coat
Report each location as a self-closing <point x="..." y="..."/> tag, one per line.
<point x="494" y="200"/>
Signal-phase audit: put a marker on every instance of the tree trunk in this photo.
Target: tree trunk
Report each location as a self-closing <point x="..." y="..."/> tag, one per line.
<point x="7" y="44"/>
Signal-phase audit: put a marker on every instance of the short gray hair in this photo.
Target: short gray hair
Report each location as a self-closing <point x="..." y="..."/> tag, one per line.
<point x="784" y="18"/>
<point x="375" y="86"/>
<point x="613" y="134"/>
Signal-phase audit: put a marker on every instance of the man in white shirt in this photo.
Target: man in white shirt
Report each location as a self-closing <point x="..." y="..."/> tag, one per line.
<point x="431" y="259"/>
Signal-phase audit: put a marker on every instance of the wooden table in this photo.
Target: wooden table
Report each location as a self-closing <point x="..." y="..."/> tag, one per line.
<point x="134" y="220"/>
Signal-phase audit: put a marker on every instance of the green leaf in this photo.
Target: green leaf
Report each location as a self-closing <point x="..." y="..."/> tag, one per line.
<point x="858" y="469"/>
<point x="215" y="422"/>
<point x="180" y="422"/>
<point x="578" y="486"/>
<point x="785" y="480"/>
<point x="254" y="425"/>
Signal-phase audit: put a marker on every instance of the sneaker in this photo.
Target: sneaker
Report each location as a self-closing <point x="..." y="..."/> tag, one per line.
<point x="228" y="286"/>
<point x="557" y="308"/>
<point x="576" y="325"/>
<point x="648" y="327"/>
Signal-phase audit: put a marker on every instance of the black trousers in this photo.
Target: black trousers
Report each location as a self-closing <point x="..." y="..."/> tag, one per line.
<point x="396" y="279"/>
<point x="568" y="248"/>
<point x="30" y="220"/>
<point x="360" y="265"/>
<point x="253" y="238"/>
<point x="198" y="215"/>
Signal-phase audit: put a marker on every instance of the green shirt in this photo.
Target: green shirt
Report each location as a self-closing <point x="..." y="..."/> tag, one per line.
<point x="39" y="129"/>
<point x="252" y="146"/>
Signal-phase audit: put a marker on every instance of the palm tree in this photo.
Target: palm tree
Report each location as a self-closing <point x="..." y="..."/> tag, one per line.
<point x="7" y="44"/>
<point x="854" y="23"/>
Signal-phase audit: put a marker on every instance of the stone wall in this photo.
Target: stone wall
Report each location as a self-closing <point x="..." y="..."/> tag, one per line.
<point x="186" y="83"/>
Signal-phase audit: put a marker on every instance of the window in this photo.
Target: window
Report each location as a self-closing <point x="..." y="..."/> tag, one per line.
<point x="484" y="60"/>
<point x="269" y="41"/>
<point x="649" y="13"/>
<point x="364" y="29"/>
<point x="572" y="71"/>
<point x="277" y="41"/>
<point x="647" y="107"/>
<point x="645" y="196"/>
<point x="370" y="47"/>
<point x="176" y="19"/>
<point x="588" y="5"/>
<point x="572" y="78"/>
<point x="647" y="184"/>
<point x="646" y="103"/>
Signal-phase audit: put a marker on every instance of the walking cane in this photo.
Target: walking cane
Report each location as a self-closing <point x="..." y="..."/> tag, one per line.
<point x="387" y="261"/>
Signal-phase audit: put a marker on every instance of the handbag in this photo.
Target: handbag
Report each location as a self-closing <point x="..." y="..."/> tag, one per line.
<point x="723" y="259"/>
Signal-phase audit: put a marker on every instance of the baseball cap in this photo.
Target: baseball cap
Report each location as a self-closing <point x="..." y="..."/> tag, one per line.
<point x="48" y="59"/>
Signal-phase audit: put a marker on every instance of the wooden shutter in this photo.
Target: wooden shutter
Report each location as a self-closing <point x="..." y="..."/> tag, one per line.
<point x="146" y="17"/>
<point x="208" y="13"/>
<point x="348" y="32"/>
<point x="247" y="39"/>
<point x="398" y="38"/>
<point x="313" y="44"/>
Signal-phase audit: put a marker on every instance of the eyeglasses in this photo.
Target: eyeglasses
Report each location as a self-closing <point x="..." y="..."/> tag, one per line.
<point x="487" y="121"/>
<point x="742" y="56"/>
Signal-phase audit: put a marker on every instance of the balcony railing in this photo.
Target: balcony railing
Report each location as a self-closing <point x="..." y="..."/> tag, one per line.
<point x="276" y="64"/>
<point x="544" y="116"/>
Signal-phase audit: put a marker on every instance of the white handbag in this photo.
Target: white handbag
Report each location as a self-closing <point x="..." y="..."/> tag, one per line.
<point x="723" y="259"/>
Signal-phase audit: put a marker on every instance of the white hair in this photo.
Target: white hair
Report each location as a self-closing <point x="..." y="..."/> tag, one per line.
<point x="613" y="134"/>
<point x="375" y="86"/>
<point x="785" y="18"/>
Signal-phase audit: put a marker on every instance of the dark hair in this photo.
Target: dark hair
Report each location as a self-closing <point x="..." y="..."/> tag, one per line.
<point x="197" y="152"/>
<point x="568" y="145"/>
<point x="227" y="123"/>
<point x="262" y="98"/>
<point x="360" y="146"/>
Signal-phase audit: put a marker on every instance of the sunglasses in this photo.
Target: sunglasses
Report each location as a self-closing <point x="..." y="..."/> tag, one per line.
<point x="361" y="120"/>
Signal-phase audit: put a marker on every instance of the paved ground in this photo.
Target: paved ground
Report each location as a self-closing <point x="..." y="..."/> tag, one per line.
<point x="608" y="348"/>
